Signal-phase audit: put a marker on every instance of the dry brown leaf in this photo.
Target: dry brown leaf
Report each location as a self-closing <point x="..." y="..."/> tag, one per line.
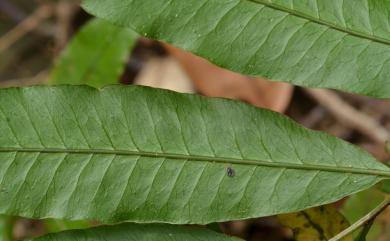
<point x="214" y="81"/>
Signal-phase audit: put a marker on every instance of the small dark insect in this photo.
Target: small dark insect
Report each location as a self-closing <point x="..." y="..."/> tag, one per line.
<point x="230" y="172"/>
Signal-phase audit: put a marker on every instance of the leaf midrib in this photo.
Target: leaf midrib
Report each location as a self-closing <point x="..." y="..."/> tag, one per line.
<point x="348" y="31"/>
<point x="227" y="160"/>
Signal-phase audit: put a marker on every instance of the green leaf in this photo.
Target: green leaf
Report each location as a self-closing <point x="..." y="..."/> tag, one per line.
<point x="6" y="226"/>
<point x="318" y="43"/>
<point x="139" y="232"/>
<point x="56" y="225"/>
<point x="386" y="186"/>
<point x="128" y="153"/>
<point x="96" y="56"/>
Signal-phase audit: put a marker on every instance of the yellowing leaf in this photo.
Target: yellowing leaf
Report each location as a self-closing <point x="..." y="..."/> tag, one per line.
<point x="315" y="224"/>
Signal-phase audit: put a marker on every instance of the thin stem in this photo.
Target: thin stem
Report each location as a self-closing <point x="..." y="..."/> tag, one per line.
<point x="366" y="219"/>
<point x="363" y="234"/>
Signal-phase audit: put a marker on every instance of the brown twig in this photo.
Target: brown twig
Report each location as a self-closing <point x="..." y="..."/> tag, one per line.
<point x="349" y="115"/>
<point x="64" y="12"/>
<point x="27" y="25"/>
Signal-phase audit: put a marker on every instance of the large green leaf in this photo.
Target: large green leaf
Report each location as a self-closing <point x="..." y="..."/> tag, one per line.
<point x="145" y="155"/>
<point x="138" y="232"/>
<point x="96" y="56"/>
<point x="318" y="43"/>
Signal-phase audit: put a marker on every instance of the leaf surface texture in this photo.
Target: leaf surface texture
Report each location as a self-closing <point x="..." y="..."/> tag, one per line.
<point x="96" y="56"/>
<point x="317" y="43"/>
<point x="130" y="153"/>
<point x="138" y="232"/>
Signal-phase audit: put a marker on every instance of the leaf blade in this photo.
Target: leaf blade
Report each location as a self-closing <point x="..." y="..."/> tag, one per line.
<point x="96" y="56"/>
<point x="128" y="153"/>
<point x="302" y="45"/>
<point x="139" y="232"/>
<point x="6" y="226"/>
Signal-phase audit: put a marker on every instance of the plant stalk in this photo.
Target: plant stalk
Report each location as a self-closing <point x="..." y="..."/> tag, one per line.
<point x="363" y="234"/>
<point x="364" y="220"/>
